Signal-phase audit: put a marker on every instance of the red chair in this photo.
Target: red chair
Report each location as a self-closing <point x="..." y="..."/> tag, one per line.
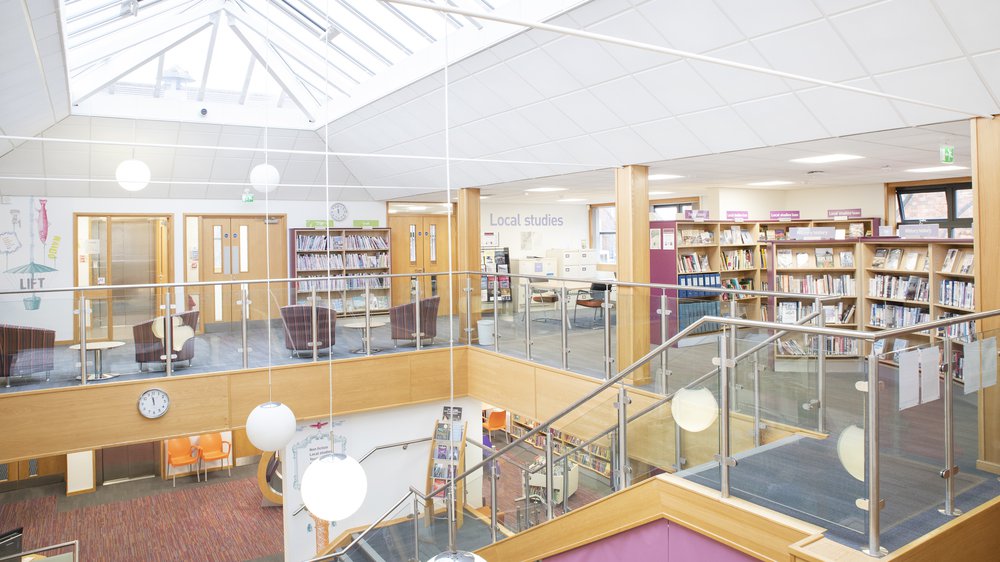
<point x="212" y="448"/>
<point x="180" y="452"/>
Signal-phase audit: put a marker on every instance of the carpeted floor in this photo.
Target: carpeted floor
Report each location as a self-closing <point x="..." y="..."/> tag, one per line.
<point x="221" y="521"/>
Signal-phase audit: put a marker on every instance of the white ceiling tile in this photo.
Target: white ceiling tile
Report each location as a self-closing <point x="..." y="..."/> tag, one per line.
<point x="585" y="60"/>
<point x="506" y="83"/>
<point x="627" y="146"/>
<point x="898" y="34"/>
<point x="780" y="120"/>
<point x="67" y="188"/>
<point x="634" y="26"/>
<point x="736" y="85"/>
<point x="231" y="169"/>
<point x="25" y="160"/>
<point x="587" y="150"/>
<point x="830" y="7"/>
<point x="587" y="111"/>
<point x="764" y="16"/>
<point x="846" y="113"/>
<point x="514" y="46"/>
<point x="989" y="67"/>
<point x="973" y="23"/>
<point x="519" y="129"/>
<point x="538" y="69"/>
<point x="691" y="26"/>
<point x="593" y="12"/>
<point x="185" y="191"/>
<point x="812" y="50"/>
<point x="951" y="84"/>
<point x="193" y="168"/>
<point x="479" y="96"/>
<point x="678" y="87"/>
<point x="630" y="101"/>
<point x="550" y="121"/>
<point x="721" y="130"/>
<point x="670" y="139"/>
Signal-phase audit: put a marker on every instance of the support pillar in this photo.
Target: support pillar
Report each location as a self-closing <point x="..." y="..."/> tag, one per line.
<point x="469" y="255"/>
<point x="632" y="307"/>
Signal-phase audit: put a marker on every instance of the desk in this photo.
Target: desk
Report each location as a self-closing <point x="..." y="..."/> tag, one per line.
<point x="359" y="325"/>
<point x="99" y="347"/>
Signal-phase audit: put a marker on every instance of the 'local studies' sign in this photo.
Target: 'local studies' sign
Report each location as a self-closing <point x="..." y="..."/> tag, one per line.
<point x="526" y="220"/>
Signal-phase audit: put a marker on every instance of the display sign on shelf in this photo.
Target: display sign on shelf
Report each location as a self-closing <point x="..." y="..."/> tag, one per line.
<point x="844" y="213"/>
<point x="813" y="233"/>
<point x="784" y="215"/>
<point x="919" y="231"/>
<point x="699" y="215"/>
<point x="738" y="216"/>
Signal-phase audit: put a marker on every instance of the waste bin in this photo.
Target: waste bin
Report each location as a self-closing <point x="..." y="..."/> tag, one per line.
<point x="485" y="332"/>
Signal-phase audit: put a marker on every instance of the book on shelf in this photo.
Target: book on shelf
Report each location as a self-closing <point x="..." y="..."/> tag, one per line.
<point x="911" y="288"/>
<point x="900" y="344"/>
<point x="840" y="234"/>
<point x="909" y="262"/>
<point x="965" y="331"/>
<point x="763" y="257"/>
<point x="787" y="312"/>
<point x="802" y="259"/>
<point x="856" y="229"/>
<point x="737" y="259"/>
<point x="878" y="261"/>
<point x="779" y="233"/>
<point x="878" y="348"/>
<point x="957" y="293"/>
<point x="949" y="260"/>
<point x="693" y="262"/>
<point x="789" y="347"/>
<point x="784" y="258"/>
<point x="824" y="257"/>
<point x="897" y="316"/>
<point x="967" y="263"/>
<point x="441" y="452"/>
<point x="735" y="235"/>
<point x="698" y="280"/>
<point x="848" y="316"/>
<point x="925" y="264"/>
<point x="440" y="483"/>
<point x="816" y="284"/>
<point x="831" y="313"/>
<point x="745" y="284"/>
<point x="895" y="256"/>
<point x="846" y="258"/>
<point x="692" y="237"/>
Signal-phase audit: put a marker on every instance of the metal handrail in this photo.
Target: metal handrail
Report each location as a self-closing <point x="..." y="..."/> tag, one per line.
<point x="75" y="544"/>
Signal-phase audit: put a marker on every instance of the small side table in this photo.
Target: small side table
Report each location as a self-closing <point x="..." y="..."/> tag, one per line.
<point x="366" y="345"/>
<point x="99" y="347"/>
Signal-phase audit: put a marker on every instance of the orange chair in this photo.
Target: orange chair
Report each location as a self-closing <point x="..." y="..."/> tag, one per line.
<point x="213" y="448"/>
<point x="180" y="452"/>
<point x="496" y="420"/>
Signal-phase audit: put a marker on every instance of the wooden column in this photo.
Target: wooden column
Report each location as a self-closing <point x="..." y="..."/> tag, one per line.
<point x="632" y="308"/>
<point x="986" y="230"/>
<point x="469" y="253"/>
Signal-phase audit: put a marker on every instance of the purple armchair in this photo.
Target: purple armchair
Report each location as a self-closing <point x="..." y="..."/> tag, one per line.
<point x="26" y="351"/>
<point x="148" y="338"/>
<point x="403" y="320"/>
<point x="297" y="319"/>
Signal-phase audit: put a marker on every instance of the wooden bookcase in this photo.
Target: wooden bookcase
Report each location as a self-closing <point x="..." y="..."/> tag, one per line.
<point x="596" y="457"/>
<point x="318" y="252"/>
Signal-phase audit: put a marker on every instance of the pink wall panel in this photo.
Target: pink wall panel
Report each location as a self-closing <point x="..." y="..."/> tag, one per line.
<point x="659" y="541"/>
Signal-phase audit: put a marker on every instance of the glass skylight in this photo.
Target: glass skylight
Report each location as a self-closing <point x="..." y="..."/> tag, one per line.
<point x="168" y="59"/>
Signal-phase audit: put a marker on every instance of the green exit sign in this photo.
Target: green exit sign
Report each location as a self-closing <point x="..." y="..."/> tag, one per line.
<point x="247" y="197"/>
<point x="947" y="154"/>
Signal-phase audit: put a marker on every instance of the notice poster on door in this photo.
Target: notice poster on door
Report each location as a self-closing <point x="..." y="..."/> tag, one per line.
<point x="413" y="243"/>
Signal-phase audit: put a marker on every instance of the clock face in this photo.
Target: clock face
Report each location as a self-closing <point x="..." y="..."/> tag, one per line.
<point x="338" y="211"/>
<point x="153" y="403"/>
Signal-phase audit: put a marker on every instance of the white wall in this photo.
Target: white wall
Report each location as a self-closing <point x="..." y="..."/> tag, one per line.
<point x="814" y="203"/>
<point x="55" y="311"/>
<point x="390" y="472"/>
<point x="548" y="226"/>
<point x="758" y="202"/>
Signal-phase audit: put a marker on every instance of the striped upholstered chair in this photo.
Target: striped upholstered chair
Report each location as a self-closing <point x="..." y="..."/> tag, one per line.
<point x="297" y="319"/>
<point x="403" y="320"/>
<point x="149" y="337"/>
<point x="26" y="351"/>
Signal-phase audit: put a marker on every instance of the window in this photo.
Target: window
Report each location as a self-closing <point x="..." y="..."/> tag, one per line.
<point x="606" y="226"/>
<point x="670" y="211"/>
<point x="948" y="205"/>
<point x="604" y="223"/>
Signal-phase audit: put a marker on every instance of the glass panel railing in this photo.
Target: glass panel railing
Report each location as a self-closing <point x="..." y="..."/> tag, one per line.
<point x="397" y="536"/>
<point x="695" y="409"/>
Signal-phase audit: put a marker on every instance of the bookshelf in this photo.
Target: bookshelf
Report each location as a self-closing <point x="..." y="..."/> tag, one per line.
<point x="348" y="252"/>
<point x="596" y="457"/>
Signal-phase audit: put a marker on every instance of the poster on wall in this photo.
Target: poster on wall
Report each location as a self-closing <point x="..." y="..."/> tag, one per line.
<point x="26" y="250"/>
<point x="528" y="239"/>
<point x="309" y="443"/>
<point x="668" y="239"/>
<point x="654" y="239"/>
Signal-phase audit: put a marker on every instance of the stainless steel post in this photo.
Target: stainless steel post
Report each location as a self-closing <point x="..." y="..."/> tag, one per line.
<point x="821" y="368"/>
<point x="493" y="501"/>
<point x="950" y="470"/>
<point x="468" y="310"/>
<point x="548" y="474"/>
<point x="756" y="399"/>
<point x="526" y="522"/>
<point x="315" y="328"/>
<point x="416" y="526"/>
<point x="496" y="314"/>
<point x="608" y="360"/>
<point x="733" y="333"/>
<point x="244" y="313"/>
<point x="678" y="458"/>
<point x="664" y="375"/>
<point x="564" y="321"/>
<point x="724" y="372"/>
<point x="420" y="333"/>
<point x="83" y="342"/>
<point x="368" y="319"/>
<point x="527" y="319"/>
<point x="452" y="521"/>
<point x="874" y="499"/>
<point x="168" y="334"/>
<point x="624" y="469"/>
<point x="565" y="486"/>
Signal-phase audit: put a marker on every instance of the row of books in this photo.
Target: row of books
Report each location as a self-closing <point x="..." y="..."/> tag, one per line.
<point x="958" y="293"/>
<point x="366" y="242"/>
<point x="692" y="237"/>
<point x="367" y="261"/>
<point x="825" y="284"/>
<point x="898" y="344"/>
<point x="900" y="259"/>
<point x="821" y="258"/>
<point x="593" y="462"/>
<point x="964" y="261"/>
<point x="698" y="280"/>
<point x="690" y="312"/>
<point x="318" y="242"/>
<point x="832" y="345"/>
<point x="346" y="283"/>
<point x="910" y="288"/>
<point x="744" y="283"/>
<point x="896" y="316"/>
<point x="737" y="259"/>
<point x="838" y="313"/>
<point x="735" y="235"/>
<point x="790" y="312"/>
<point x="964" y="331"/>
<point x="573" y="440"/>
<point x="694" y="262"/>
<point x="318" y="262"/>
<point x="356" y="303"/>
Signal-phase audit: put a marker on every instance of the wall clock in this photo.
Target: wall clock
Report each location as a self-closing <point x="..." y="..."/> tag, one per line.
<point x="338" y="212"/>
<point x="153" y="403"/>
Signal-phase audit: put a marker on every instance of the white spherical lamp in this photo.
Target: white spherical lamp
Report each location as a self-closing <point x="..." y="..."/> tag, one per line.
<point x="133" y="175"/>
<point x="457" y="556"/>
<point x="271" y="426"/>
<point x="264" y="178"/>
<point x="334" y="487"/>
<point x="694" y="410"/>
<point x="851" y="451"/>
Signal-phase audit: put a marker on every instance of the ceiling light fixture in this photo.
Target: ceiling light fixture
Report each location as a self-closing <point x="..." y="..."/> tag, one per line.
<point x="851" y="451"/>
<point x="694" y="410"/>
<point x="264" y="177"/>
<point x="660" y="192"/>
<point x="417" y="208"/>
<point x="572" y="200"/>
<point x="826" y="159"/>
<point x="770" y="183"/>
<point x="545" y="189"/>
<point x="932" y="169"/>
<point x="656" y="177"/>
<point x="133" y="175"/>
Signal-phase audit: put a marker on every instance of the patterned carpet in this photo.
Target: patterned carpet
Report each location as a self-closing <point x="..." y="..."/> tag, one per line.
<point x="218" y="522"/>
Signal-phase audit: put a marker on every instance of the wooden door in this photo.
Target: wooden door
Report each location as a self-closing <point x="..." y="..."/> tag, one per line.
<point x="435" y="253"/>
<point x="406" y="233"/>
<point x="216" y="265"/>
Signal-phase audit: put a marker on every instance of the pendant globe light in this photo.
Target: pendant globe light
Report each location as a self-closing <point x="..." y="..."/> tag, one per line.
<point x="851" y="451"/>
<point x="271" y="425"/>
<point x="457" y="556"/>
<point x="694" y="410"/>
<point x="132" y="174"/>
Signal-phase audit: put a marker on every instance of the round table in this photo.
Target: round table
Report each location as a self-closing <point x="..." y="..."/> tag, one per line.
<point x="365" y="341"/>
<point x="99" y="347"/>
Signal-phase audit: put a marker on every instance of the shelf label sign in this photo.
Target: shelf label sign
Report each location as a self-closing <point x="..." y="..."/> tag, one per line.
<point x="784" y="215"/>
<point x="318" y="223"/>
<point x="947" y="153"/>
<point x="363" y="223"/>
<point x="844" y="213"/>
<point x="813" y="233"/>
<point x="699" y="215"/>
<point x="919" y="231"/>
<point x="738" y="216"/>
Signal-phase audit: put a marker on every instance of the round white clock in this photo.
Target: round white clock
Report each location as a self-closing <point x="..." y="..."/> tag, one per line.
<point x="153" y="403"/>
<point x="338" y="212"/>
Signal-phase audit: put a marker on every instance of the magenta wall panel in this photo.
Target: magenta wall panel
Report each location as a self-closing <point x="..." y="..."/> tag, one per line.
<point x="659" y="541"/>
